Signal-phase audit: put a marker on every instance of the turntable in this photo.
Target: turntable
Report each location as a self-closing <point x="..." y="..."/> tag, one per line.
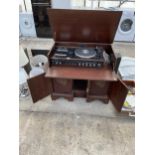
<point x="86" y="53"/>
<point x="94" y="57"/>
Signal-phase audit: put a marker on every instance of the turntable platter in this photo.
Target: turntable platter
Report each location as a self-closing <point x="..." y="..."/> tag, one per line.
<point x="85" y="53"/>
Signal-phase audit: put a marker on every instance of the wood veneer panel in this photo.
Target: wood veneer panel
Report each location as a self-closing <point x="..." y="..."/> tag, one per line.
<point x="98" y="26"/>
<point x="81" y="73"/>
<point x="117" y="94"/>
<point x="40" y="87"/>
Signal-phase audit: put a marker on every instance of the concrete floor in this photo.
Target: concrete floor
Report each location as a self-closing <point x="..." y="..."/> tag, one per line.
<point x="61" y="105"/>
<point x="43" y="133"/>
<point x="74" y="128"/>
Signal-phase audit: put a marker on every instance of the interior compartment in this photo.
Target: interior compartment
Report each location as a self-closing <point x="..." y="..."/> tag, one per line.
<point x="39" y="51"/>
<point x="107" y="48"/>
<point x="79" y="88"/>
<point x="80" y="85"/>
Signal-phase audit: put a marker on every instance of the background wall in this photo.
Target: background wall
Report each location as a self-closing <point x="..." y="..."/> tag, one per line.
<point x="61" y="3"/>
<point x="25" y="5"/>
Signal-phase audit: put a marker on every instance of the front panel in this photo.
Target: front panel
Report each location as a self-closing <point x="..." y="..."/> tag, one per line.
<point x="62" y="86"/>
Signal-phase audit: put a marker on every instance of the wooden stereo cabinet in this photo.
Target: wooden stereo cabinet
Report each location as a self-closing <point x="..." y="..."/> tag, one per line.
<point x="74" y="28"/>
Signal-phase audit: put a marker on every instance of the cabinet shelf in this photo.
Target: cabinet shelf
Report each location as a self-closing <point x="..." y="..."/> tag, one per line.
<point x="106" y="74"/>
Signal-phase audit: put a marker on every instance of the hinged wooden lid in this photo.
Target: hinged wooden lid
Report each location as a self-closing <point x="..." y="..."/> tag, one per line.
<point x="97" y="26"/>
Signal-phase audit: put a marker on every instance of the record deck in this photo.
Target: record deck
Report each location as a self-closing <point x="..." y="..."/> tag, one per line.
<point x="93" y="57"/>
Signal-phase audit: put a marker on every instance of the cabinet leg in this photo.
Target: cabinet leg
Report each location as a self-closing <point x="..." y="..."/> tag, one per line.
<point x="69" y="98"/>
<point x="88" y="99"/>
<point x="106" y="101"/>
<point x="54" y="97"/>
<point x="57" y="96"/>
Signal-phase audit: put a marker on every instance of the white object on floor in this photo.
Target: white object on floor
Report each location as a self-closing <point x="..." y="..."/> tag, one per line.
<point x="126" y="28"/>
<point x="26" y="23"/>
<point x="36" y="71"/>
<point x="131" y="100"/>
<point x="40" y="61"/>
<point x="22" y="76"/>
<point x="127" y="68"/>
<point x="23" y="83"/>
<point x="23" y="60"/>
<point x="66" y="4"/>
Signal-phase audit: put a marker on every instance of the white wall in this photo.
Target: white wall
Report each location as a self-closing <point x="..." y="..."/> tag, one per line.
<point x="103" y="3"/>
<point x="77" y="3"/>
<point x="62" y="4"/>
<point x="21" y="6"/>
<point x="27" y="5"/>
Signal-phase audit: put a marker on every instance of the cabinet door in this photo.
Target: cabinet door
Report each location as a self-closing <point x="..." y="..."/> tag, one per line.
<point x="117" y="94"/>
<point x="62" y="86"/>
<point x="98" y="87"/>
<point x="39" y="86"/>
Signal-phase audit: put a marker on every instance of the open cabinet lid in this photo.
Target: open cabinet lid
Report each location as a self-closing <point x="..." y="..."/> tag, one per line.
<point x="118" y="94"/>
<point x="39" y="87"/>
<point x="97" y="26"/>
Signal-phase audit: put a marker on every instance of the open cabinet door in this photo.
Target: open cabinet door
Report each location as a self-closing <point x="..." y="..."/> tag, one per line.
<point x="39" y="86"/>
<point x="118" y="93"/>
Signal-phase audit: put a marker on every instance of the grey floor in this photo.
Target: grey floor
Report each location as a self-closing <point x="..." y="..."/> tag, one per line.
<point x="70" y="134"/>
<point x="74" y="128"/>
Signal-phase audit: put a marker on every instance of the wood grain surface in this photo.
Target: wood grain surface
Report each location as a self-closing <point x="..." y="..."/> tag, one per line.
<point x="97" y="26"/>
<point x="81" y="73"/>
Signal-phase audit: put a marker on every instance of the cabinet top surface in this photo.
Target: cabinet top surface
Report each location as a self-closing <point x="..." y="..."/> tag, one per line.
<point x="81" y="73"/>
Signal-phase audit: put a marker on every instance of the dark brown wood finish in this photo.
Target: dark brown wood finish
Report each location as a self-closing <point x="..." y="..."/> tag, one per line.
<point x="103" y="98"/>
<point x="75" y="28"/>
<point x="117" y="94"/>
<point x="79" y="93"/>
<point x="62" y="86"/>
<point x="93" y="26"/>
<point x="40" y="87"/>
<point x="98" y="88"/>
<point x="129" y="83"/>
<point x="81" y="73"/>
<point x="68" y="96"/>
